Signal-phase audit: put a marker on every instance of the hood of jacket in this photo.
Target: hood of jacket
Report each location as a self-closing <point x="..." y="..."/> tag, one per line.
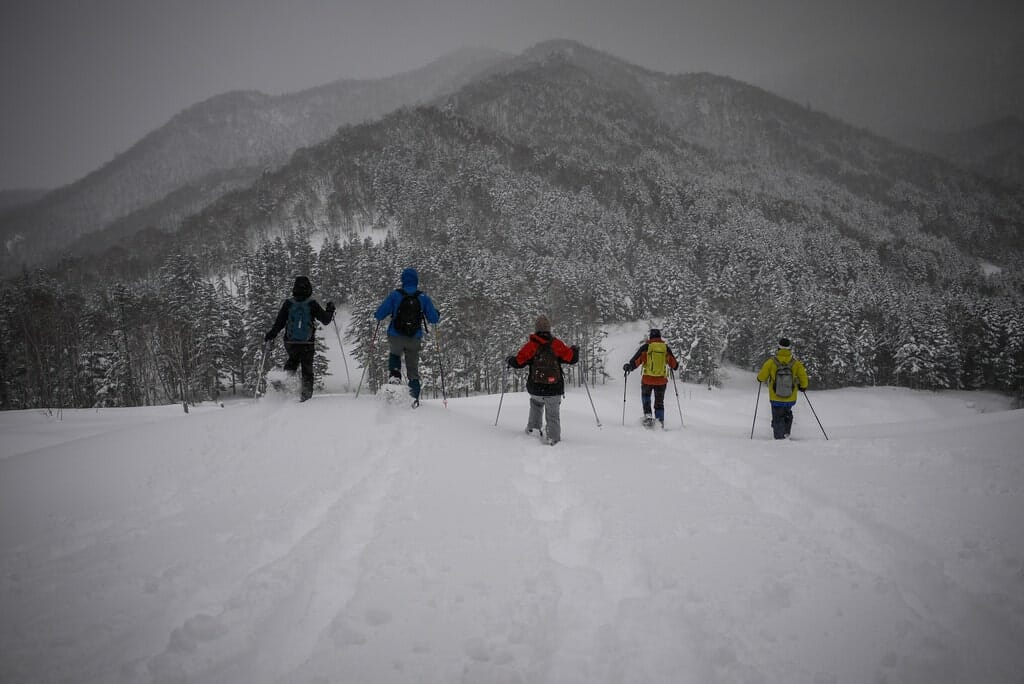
<point x="410" y="280"/>
<point x="784" y="355"/>
<point x="302" y="288"/>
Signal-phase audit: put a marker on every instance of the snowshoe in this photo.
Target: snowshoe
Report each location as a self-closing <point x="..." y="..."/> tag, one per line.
<point x="648" y="422"/>
<point x="282" y="384"/>
<point x="544" y="439"/>
<point x="391" y="393"/>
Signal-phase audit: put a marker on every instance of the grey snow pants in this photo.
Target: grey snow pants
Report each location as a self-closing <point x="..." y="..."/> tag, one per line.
<point x="548" y="408"/>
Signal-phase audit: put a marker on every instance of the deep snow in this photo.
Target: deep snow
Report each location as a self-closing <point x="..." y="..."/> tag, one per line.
<point x="345" y="540"/>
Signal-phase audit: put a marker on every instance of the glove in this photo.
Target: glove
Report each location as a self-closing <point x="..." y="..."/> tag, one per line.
<point x="511" y="361"/>
<point x="803" y="389"/>
<point x="575" y="349"/>
<point x="330" y="307"/>
<point x="268" y="337"/>
<point x="627" y="367"/>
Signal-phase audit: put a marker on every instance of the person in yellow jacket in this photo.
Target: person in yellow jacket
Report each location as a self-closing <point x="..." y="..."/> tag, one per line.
<point x="785" y="376"/>
<point x="656" y="357"/>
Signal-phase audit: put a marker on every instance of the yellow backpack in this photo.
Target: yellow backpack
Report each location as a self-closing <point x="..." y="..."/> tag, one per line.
<point x="656" y="365"/>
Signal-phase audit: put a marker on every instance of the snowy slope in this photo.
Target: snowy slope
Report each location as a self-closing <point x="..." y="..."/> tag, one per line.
<point x="345" y="540"/>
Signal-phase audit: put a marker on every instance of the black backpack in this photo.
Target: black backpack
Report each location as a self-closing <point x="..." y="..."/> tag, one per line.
<point x="409" y="316"/>
<point x="544" y="367"/>
<point x="300" y="322"/>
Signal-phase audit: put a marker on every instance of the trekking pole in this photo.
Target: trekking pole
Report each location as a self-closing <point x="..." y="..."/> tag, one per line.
<point x="755" y="409"/>
<point x="625" y="382"/>
<point x="583" y="376"/>
<point x="263" y="360"/>
<point x="348" y="378"/>
<point x="678" y="404"/>
<point x="815" y="414"/>
<point x="440" y="365"/>
<point x="373" y="344"/>
<point x="504" y="384"/>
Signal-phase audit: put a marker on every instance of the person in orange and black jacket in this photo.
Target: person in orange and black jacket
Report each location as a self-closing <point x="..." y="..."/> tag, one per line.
<point x="782" y="406"/>
<point x="656" y="357"/>
<point x="545" y="354"/>
<point x="301" y="352"/>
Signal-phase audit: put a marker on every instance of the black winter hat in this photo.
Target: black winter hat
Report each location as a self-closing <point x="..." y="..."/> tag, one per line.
<point x="302" y="288"/>
<point x="784" y="342"/>
<point x="542" y="324"/>
<point x="655" y="334"/>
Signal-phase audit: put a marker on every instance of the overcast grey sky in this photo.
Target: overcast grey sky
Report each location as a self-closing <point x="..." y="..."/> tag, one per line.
<point x="82" y="80"/>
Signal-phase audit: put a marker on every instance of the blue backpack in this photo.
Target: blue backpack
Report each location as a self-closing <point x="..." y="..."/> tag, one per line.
<point x="300" y="322"/>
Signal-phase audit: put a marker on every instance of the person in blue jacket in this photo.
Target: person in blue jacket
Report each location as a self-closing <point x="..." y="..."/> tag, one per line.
<point x="408" y="307"/>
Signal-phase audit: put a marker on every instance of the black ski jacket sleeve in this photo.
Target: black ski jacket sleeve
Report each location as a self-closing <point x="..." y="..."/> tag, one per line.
<point x="279" y="323"/>
<point x="320" y="313"/>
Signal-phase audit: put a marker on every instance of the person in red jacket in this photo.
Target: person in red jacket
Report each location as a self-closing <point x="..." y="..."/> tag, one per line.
<point x="656" y="357"/>
<point x="545" y="354"/>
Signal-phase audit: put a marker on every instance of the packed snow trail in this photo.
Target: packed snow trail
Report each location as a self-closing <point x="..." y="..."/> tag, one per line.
<point x="345" y="540"/>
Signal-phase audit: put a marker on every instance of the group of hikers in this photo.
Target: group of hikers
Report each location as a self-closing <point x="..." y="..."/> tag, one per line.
<point x="543" y="353"/>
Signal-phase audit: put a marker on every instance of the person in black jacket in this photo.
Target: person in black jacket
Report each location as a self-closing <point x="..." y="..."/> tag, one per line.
<point x="297" y="318"/>
<point x="545" y="354"/>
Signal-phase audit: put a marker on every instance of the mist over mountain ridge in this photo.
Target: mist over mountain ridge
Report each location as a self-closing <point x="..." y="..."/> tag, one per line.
<point x="11" y="199"/>
<point x="995" y="149"/>
<point x="903" y="99"/>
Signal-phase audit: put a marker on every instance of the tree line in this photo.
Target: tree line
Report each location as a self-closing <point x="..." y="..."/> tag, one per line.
<point x="181" y="336"/>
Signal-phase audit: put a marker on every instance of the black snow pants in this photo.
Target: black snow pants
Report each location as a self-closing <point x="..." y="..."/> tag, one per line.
<point x="301" y="355"/>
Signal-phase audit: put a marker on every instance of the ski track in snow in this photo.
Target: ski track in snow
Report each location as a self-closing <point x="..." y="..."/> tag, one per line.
<point x="261" y="624"/>
<point x="893" y="563"/>
<point x="402" y="559"/>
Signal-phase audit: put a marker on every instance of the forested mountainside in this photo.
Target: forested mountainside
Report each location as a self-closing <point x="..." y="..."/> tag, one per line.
<point x="578" y="185"/>
<point x="224" y="142"/>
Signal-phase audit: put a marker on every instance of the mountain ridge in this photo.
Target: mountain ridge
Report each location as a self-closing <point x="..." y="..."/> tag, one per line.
<point x="237" y="130"/>
<point x="706" y="124"/>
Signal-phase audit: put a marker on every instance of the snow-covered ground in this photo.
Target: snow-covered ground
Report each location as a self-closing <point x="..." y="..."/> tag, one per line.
<point x="345" y="540"/>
